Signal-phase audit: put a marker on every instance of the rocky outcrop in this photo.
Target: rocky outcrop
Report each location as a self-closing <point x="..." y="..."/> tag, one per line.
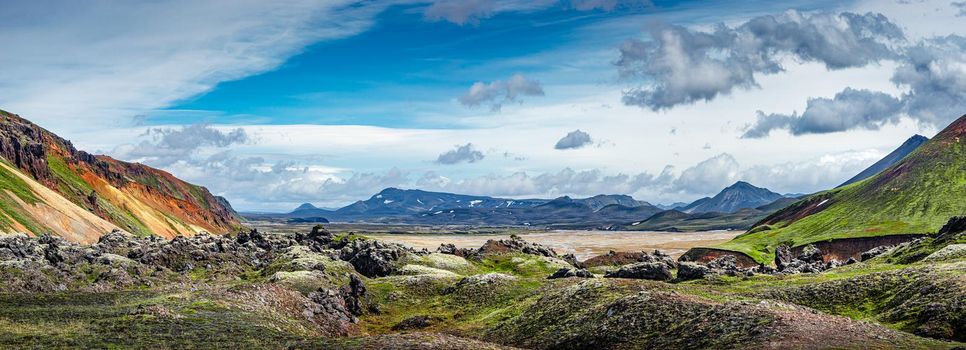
<point x="644" y="270"/>
<point x="955" y="224"/>
<point x="128" y="259"/>
<point x="503" y="246"/>
<point x="514" y="244"/>
<point x="613" y="258"/>
<point x="571" y="272"/>
<point x="374" y="258"/>
<point x="692" y="271"/>
<point x="705" y="255"/>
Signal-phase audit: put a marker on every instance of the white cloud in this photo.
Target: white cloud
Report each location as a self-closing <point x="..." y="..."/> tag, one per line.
<point x="465" y="153"/>
<point x="498" y="92"/>
<point x="79" y="62"/>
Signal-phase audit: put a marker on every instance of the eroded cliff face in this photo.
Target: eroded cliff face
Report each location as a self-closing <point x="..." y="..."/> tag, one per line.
<point x="134" y="197"/>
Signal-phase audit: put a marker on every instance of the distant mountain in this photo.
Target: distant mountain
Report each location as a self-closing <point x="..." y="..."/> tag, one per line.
<point x="602" y="200"/>
<point x="305" y="207"/>
<point x="51" y="187"/>
<point x="741" y="195"/>
<point x="676" y="220"/>
<point x="907" y="147"/>
<point x="917" y="194"/>
<point x="398" y="202"/>
<point x="671" y="206"/>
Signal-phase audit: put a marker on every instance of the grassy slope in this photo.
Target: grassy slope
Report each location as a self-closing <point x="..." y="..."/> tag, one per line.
<point x="917" y="195"/>
<point x="10" y="212"/>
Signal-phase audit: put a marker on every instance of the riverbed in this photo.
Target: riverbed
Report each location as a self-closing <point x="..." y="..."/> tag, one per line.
<point x="583" y="244"/>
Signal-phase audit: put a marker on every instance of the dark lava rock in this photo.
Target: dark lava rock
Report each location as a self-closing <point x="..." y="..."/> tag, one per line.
<point x="331" y="305"/>
<point x="355" y="295"/>
<point x="783" y="256"/>
<point x="644" y="270"/>
<point x="373" y="258"/>
<point x="319" y="236"/>
<point x="451" y="249"/>
<point x="955" y="224"/>
<point x="572" y="260"/>
<point x="415" y="322"/>
<point x="811" y="254"/>
<point x="692" y="271"/>
<point x="565" y="273"/>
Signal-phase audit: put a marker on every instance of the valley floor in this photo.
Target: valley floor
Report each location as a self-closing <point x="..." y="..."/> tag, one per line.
<point x="325" y="291"/>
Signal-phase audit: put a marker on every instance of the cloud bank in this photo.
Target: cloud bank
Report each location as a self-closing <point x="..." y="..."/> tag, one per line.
<point x="933" y="74"/>
<point x="681" y="66"/>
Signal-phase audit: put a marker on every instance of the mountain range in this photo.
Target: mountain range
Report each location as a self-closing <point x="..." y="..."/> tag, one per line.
<point x="402" y="206"/>
<point x="48" y="186"/>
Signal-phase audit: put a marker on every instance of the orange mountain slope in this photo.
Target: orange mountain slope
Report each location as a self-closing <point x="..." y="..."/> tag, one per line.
<point x="109" y="193"/>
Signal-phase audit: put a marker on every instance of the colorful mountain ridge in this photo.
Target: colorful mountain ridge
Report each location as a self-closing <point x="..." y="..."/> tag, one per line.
<point x="48" y="186"/>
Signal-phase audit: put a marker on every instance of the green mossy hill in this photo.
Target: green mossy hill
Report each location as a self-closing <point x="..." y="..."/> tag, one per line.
<point x="916" y="195"/>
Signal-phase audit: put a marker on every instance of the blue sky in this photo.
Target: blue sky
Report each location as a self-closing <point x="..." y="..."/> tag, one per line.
<point x="275" y="104"/>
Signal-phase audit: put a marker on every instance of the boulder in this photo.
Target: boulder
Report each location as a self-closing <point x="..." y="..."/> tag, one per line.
<point x="783" y="257"/>
<point x="692" y="271"/>
<point x="644" y="270"/>
<point x="811" y="254"/>
<point x="571" y="272"/>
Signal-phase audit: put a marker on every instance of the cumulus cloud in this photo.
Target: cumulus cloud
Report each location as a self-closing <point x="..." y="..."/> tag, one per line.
<point x="932" y="73"/>
<point x="164" y="146"/>
<point x="709" y="176"/>
<point x="498" y="92"/>
<point x="849" y="109"/>
<point x="460" y="11"/>
<point x="574" y="139"/>
<point x="466" y="153"/>
<point x="681" y="66"/>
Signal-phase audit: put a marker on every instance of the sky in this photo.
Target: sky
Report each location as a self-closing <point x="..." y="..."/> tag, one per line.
<point x="274" y="104"/>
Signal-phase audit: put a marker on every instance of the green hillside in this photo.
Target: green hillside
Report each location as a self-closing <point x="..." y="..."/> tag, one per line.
<point x="915" y="195"/>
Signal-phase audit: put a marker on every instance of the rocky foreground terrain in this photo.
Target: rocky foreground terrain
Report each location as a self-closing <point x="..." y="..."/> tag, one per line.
<point x="344" y="291"/>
